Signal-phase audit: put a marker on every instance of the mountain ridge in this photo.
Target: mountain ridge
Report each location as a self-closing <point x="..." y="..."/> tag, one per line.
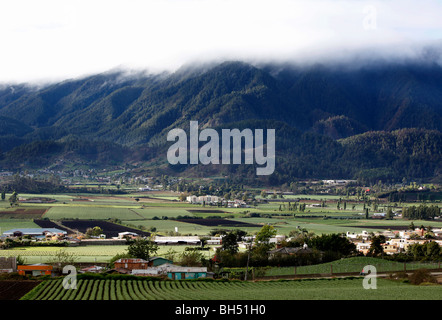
<point x="319" y="105"/>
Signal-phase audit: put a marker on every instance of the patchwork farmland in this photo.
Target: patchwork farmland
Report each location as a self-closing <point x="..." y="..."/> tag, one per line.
<point x="109" y="229"/>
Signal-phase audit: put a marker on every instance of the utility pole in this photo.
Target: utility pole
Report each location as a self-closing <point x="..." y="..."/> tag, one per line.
<point x="248" y="259"/>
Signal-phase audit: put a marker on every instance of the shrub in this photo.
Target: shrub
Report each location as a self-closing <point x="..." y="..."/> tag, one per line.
<point x="421" y="276"/>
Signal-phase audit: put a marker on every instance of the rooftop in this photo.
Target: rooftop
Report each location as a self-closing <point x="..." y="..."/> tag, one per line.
<point x="34" y="231"/>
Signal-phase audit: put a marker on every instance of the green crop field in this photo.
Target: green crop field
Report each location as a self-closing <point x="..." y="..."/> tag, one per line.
<point x="7" y="224"/>
<point x="164" y="226"/>
<point x="319" y="226"/>
<point x="355" y="264"/>
<point x="156" y="210"/>
<point x="143" y="289"/>
<point x="151" y="212"/>
<point x="82" y="253"/>
<point x="82" y="211"/>
<point x="90" y="254"/>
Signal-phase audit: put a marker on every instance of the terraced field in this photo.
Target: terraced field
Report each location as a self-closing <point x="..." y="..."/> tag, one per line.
<point x="331" y="289"/>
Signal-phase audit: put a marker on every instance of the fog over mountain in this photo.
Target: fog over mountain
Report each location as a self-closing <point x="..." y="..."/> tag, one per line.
<point x="55" y="40"/>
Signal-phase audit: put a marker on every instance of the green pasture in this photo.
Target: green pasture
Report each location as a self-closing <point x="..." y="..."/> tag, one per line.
<point x="170" y="212"/>
<point x="285" y="225"/>
<point x="355" y="264"/>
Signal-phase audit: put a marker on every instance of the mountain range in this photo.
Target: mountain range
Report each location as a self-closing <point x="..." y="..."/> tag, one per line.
<point x="378" y="122"/>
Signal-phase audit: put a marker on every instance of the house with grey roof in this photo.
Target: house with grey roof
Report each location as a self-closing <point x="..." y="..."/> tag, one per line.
<point x="285" y="251"/>
<point x="33" y="232"/>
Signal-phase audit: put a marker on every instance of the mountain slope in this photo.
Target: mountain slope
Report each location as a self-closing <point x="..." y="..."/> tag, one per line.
<point x="310" y="107"/>
<point x="136" y="110"/>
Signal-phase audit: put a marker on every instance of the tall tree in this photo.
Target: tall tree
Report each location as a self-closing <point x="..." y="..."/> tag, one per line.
<point x="376" y="247"/>
<point x="142" y="248"/>
<point x="13" y="199"/>
<point x="229" y="243"/>
<point x="389" y="213"/>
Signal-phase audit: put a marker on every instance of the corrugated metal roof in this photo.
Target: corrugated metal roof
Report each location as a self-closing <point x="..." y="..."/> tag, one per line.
<point x="187" y="269"/>
<point x="177" y="239"/>
<point x="164" y="268"/>
<point x="131" y="260"/>
<point x="34" y="231"/>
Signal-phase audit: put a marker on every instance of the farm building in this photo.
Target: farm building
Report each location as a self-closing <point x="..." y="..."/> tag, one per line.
<point x="35" y="269"/>
<point x="204" y="199"/>
<point x="34" y="232"/>
<point x="157" y="261"/>
<point x="140" y="264"/>
<point x="153" y="272"/>
<point x="277" y="239"/>
<point x="178" y="240"/>
<point x="160" y="270"/>
<point x="131" y="263"/>
<point x="127" y="234"/>
<point x="215" y="240"/>
<point x="173" y="272"/>
<point x="180" y="273"/>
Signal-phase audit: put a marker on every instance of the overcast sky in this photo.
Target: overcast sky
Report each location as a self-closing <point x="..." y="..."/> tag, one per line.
<point x="57" y="39"/>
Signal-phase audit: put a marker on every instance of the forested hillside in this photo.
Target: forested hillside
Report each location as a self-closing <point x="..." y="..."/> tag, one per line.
<point x="378" y="122"/>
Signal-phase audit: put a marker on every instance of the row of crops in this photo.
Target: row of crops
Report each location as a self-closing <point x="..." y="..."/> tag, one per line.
<point x="91" y="289"/>
<point x="132" y="289"/>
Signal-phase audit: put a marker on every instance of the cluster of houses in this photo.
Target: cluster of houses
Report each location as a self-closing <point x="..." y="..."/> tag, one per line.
<point x="36" y="233"/>
<point x="216" y="201"/>
<point x="159" y="267"/>
<point x="155" y="266"/>
<point x="396" y="241"/>
<point x="9" y="265"/>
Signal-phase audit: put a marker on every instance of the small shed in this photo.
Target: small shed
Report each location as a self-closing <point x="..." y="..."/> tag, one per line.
<point x="181" y="273"/>
<point x="35" y="269"/>
<point x="131" y="263"/>
<point x="157" y="261"/>
<point x="92" y="269"/>
<point x="188" y="240"/>
<point x="131" y="235"/>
